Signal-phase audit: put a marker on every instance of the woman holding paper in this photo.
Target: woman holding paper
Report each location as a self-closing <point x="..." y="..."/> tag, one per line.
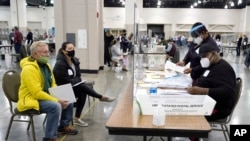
<point x="67" y="70"/>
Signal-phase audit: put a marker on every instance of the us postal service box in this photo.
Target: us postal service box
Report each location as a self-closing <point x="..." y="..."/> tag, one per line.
<point x="176" y="104"/>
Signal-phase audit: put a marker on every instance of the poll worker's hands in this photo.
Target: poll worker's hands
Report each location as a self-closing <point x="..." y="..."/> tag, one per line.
<point x="197" y="90"/>
<point x="64" y="103"/>
<point x="181" y="63"/>
<point x="187" y="70"/>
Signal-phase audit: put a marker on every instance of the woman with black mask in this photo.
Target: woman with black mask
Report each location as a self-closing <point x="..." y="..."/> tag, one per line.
<point x="67" y="70"/>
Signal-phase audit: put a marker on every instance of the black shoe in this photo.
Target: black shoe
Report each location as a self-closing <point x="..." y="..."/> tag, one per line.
<point x="67" y="130"/>
<point x="124" y="69"/>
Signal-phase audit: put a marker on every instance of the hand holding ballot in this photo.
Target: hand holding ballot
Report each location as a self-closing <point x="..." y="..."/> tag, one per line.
<point x="64" y="103"/>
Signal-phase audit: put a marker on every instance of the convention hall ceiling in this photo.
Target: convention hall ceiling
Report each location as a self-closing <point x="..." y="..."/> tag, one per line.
<point x="218" y="4"/>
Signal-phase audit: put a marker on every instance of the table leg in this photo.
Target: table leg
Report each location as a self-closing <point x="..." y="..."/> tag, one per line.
<point x="144" y="138"/>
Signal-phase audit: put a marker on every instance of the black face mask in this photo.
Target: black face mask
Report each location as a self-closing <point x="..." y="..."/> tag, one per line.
<point x="71" y="53"/>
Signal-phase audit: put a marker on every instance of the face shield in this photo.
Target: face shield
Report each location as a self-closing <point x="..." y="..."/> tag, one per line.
<point x="196" y="31"/>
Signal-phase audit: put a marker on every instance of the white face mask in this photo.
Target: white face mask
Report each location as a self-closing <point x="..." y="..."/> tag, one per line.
<point x="205" y="63"/>
<point x="198" y="40"/>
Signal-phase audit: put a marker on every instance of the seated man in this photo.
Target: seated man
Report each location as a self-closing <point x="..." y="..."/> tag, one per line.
<point x="218" y="81"/>
<point x="171" y="50"/>
<point x="36" y="79"/>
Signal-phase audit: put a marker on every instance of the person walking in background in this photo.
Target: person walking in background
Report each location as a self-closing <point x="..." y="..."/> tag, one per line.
<point x="108" y="37"/>
<point x="29" y="40"/>
<point x="67" y="70"/>
<point x="239" y="40"/>
<point x="124" y="46"/>
<point x="36" y="79"/>
<point x="18" y="40"/>
<point x="244" y="44"/>
<point x="11" y="38"/>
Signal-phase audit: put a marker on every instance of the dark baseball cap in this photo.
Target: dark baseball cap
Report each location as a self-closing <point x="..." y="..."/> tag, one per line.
<point x="207" y="47"/>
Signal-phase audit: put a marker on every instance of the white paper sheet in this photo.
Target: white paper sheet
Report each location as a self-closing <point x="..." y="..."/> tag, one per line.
<point x="172" y="66"/>
<point x="63" y="92"/>
<point x="83" y="81"/>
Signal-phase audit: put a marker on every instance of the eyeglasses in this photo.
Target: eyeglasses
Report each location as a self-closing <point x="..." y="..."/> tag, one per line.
<point x="45" y="52"/>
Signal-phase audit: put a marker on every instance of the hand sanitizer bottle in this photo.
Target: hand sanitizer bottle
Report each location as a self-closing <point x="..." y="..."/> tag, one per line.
<point x="153" y="89"/>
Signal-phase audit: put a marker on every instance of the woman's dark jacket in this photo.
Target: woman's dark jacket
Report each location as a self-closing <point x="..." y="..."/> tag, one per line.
<point x="64" y="73"/>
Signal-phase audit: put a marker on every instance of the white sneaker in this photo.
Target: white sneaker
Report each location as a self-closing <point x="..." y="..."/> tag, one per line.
<point x="79" y="122"/>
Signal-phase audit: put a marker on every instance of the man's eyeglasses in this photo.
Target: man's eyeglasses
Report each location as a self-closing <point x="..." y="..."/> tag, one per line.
<point x="44" y="52"/>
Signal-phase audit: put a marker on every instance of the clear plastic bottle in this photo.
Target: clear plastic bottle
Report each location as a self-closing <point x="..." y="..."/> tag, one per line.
<point x="153" y="89"/>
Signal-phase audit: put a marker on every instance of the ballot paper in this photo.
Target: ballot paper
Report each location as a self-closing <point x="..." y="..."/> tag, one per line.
<point x="83" y="81"/>
<point x="172" y="66"/>
<point x="63" y="92"/>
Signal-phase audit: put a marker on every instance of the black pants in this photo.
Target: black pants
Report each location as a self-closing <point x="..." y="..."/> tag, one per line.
<point x="107" y="56"/>
<point x="81" y="91"/>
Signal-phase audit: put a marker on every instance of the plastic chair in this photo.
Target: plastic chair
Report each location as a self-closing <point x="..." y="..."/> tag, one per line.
<point x="223" y="122"/>
<point x="11" y="84"/>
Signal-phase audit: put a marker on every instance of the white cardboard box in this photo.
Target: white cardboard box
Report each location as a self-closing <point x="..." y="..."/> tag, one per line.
<point x="182" y="104"/>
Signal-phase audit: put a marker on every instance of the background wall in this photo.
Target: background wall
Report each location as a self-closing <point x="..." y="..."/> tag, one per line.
<point x="45" y="16"/>
<point x="115" y="17"/>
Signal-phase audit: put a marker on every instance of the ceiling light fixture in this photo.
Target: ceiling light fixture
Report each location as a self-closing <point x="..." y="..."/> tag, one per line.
<point x="239" y="2"/>
<point x="232" y="4"/>
<point x="159" y="3"/>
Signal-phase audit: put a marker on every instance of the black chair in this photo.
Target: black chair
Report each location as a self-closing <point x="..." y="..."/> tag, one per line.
<point x="223" y="122"/>
<point x="11" y="84"/>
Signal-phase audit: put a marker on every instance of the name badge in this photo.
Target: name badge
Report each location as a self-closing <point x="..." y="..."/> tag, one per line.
<point x="206" y="73"/>
<point x="70" y="72"/>
<point x="197" y="50"/>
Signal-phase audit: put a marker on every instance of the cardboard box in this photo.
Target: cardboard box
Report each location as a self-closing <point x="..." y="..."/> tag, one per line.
<point x="179" y="104"/>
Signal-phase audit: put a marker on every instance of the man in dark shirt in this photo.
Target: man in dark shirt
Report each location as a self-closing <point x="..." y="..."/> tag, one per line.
<point x="244" y="44"/>
<point x="218" y="81"/>
<point x="18" y="40"/>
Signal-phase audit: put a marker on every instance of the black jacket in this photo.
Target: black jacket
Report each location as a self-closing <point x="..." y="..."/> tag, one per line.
<point x="64" y="73"/>
<point x="220" y="78"/>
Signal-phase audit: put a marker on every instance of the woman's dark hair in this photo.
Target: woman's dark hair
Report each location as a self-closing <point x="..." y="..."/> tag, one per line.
<point x="64" y="45"/>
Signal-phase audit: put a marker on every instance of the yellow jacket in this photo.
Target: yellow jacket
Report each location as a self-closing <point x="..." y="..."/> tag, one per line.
<point x="31" y="88"/>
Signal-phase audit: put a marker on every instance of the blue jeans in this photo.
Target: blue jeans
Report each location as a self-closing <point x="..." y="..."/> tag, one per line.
<point x="17" y="48"/>
<point x="53" y="110"/>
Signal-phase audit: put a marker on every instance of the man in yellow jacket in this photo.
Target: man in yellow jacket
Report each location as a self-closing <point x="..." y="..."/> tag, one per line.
<point x="36" y="79"/>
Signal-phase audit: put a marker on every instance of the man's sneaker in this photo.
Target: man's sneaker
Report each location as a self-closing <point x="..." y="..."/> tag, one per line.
<point x="67" y="130"/>
<point x="107" y="99"/>
<point x="79" y="122"/>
